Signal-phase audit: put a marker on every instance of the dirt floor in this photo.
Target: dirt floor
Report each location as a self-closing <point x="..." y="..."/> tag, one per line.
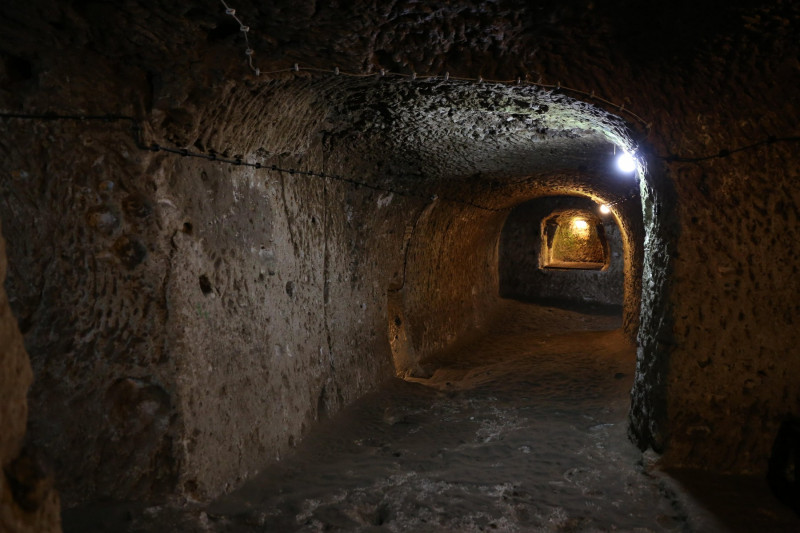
<point x="521" y="430"/>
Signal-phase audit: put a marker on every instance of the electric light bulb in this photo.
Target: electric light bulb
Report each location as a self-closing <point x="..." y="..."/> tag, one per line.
<point x="605" y="209"/>
<point x="626" y="163"/>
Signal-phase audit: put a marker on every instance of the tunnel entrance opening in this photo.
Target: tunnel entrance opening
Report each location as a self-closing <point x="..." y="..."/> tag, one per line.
<point x="574" y="239"/>
<point x="557" y="250"/>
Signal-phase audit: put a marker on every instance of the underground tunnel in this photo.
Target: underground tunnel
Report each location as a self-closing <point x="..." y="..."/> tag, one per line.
<point x="297" y="267"/>
<point x="562" y="249"/>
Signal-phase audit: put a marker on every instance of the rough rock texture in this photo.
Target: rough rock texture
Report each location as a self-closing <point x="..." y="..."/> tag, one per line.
<point x="522" y="275"/>
<point x="205" y="316"/>
<point x="27" y="499"/>
<point x="187" y="320"/>
<point x="717" y="366"/>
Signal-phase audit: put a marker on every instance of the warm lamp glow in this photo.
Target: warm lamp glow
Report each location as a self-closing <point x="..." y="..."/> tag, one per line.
<point x="580" y="229"/>
<point x="605" y="209"/>
<point x="626" y="163"/>
<point x="580" y="224"/>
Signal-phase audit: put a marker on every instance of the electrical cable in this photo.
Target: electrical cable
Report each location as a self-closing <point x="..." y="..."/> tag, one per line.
<point x="238" y="161"/>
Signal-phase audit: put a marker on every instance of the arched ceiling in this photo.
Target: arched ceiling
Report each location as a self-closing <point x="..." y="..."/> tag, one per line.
<point x="498" y="143"/>
<point x="491" y="144"/>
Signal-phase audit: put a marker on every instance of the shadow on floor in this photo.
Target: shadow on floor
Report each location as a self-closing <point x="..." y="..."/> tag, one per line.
<point x="524" y="429"/>
<point x="742" y="504"/>
<point x="589" y="308"/>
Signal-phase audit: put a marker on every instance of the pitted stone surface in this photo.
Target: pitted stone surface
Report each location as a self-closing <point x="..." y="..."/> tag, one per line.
<point x="28" y="502"/>
<point x="202" y="316"/>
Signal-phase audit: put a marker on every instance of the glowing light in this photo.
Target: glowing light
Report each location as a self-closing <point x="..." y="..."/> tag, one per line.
<point x="580" y="228"/>
<point x="580" y="224"/>
<point x="626" y="163"/>
<point x="605" y="209"/>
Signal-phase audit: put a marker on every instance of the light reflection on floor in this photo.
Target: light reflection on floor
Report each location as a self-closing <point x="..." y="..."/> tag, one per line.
<point x="521" y="430"/>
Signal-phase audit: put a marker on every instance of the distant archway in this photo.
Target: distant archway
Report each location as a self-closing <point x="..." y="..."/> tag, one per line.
<point x="559" y="249"/>
<point x="573" y="239"/>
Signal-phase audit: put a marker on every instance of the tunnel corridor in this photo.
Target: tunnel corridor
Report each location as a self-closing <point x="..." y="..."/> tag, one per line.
<point x="521" y="429"/>
<point x="398" y="265"/>
<point x="520" y="408"/>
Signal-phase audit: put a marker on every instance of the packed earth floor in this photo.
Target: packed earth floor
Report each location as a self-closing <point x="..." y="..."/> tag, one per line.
<point x="523" y="429"/>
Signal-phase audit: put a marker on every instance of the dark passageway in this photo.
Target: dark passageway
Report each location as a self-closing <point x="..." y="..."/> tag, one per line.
<point x="523" y="429"/>
<point x="400" y="265"/>
<point x="562" y="249"/>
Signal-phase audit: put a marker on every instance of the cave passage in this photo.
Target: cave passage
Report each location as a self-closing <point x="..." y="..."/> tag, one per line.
<point x="574" y="241"/>
<point x="524" y="428"/>
<point x="562" y="250"/>
<point x="228" y="228"/>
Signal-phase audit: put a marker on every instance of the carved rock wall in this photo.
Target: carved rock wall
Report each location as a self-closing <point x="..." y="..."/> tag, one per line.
<point x="187" y="320"/>
<point x="28" y="501"/>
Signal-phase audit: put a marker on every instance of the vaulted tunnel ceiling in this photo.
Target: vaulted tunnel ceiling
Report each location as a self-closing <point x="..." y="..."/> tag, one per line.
<point x="302" y="264"/>
<point x="492" y="143"/>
